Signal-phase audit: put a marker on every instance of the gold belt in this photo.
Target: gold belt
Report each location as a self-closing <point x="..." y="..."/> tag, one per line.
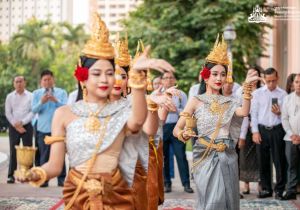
<point x="95" y="190"/>
<point x="219" y="147"/>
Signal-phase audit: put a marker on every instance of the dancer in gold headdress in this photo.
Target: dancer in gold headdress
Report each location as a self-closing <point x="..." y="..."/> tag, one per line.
<point x="92" y="131"/>
<point x="145" y="163"/>
<point x="215" y="167"/>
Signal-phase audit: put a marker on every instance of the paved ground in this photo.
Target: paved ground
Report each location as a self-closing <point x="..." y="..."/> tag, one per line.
<point x="25" y="191"/>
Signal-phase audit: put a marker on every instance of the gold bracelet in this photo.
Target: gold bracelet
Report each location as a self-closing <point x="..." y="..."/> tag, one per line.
<point x="151" y="105"/>
<point x="137" y="80"/>
<point x="42" y="176"/>
<point x="180" y="136"/>
<point x="247" y="87"/>
<point x="247" y="96"/>
<point x="247" y="90"/>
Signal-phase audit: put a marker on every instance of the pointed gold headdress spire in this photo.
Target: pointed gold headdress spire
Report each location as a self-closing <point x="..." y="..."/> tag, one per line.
<point x="98" y="46"/>
<point x="218" y="54"/>
<point x="122" y="54"/>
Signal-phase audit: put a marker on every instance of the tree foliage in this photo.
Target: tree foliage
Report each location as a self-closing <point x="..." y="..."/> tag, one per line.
<point x="184" y="31"/>
<point x="39" y="45"/>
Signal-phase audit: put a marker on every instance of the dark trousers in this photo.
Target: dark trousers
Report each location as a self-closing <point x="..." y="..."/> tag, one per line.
<point x="37" y="154"/>
<point x="179" y="151"/>
<point x="292" y="153"/>
<point x="14" y="139"/>
<point x="272" y="143"/>
<point x="45" y="152"/>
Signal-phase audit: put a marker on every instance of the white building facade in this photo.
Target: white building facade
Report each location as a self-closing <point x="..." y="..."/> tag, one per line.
<point x="112" y="11"/>
<point x="16" y="12"/>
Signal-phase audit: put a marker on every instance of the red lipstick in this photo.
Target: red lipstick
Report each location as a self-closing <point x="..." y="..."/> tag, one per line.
<point x="103" y="87"/>
<point x="218" y="83"/>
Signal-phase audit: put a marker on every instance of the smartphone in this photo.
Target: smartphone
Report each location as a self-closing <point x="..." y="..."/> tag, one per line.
<point x="274" y="101"/>
<point x="49" y="91"/>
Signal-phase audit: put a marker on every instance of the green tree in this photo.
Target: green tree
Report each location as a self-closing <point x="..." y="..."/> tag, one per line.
<point x="74" y="36"/>
<point x="184" y="31"/>
<point x="33" y="42"/>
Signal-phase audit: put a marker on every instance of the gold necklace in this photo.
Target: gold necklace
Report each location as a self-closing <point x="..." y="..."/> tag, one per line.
<point x="93" y="123"/>
<point x="215" y="107"/>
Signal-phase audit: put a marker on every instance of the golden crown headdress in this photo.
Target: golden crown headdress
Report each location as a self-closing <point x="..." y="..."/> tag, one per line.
<point x="122" y="53"/>
<point x="218" y="54"/>
<point x="98" y="46"/>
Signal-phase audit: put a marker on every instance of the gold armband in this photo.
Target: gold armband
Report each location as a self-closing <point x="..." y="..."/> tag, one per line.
<point x="180" y="136"/>
<point x="184" y="114"/>
<point x="42" y="176"/>
<point x="137" y="80"/>
<point x="53" y="139"/>
<point x="151" y="105"/>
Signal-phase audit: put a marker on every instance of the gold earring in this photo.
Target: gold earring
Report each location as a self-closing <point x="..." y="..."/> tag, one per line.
<point x="84" y="92"/>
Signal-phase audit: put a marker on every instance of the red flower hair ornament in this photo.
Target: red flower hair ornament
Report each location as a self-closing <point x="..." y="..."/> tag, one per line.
<point x="81" y="73"/>
<point x="205" y="73"/>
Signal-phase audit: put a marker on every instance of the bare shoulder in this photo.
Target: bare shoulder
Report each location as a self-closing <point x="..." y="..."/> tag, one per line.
<point x="192" y="104"/>
<point x="63" y="110"/>
<point x="196" y="101"/>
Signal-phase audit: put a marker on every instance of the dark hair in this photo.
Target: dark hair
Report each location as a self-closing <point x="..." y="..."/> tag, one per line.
<point x="88" y="62"/>
<point x="46" y="72"/>
<point x="259" y="70"/>
<point x="270" y="71"/>
<point x="18" y="76"/>
<point x="289" y="82"/>
<point x="202" y="88"/>
<point x="165" y="72"/>
<point x="128" y="91"/>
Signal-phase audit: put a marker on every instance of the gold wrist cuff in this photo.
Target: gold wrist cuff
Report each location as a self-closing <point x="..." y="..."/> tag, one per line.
<point x="42" y="176"/>
<point x="137" y="80"/>
<point x="247" y="96"/>
<point x="180" y="136"/>
<point x="247" y="90"/>
<point x="151" y="105"/>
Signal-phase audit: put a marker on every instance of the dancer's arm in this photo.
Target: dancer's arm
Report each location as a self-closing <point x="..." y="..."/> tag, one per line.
<point x="189" y="108"/>
<point x="137" y="77"/>
<point x="243" y="111"/>
<point x="56" y="160"/>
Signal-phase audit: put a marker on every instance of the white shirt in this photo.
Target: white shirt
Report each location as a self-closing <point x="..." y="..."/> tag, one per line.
<point x="244" y="128"/>
<point x="236" y="86"/>
<point x="194" y="90"/>
<point x="18" y="107"/>
<point x="291" y="115"/>
<point x="72" y="97"/>
<point x="261" y="107"/>
<point x="180" y="102"/>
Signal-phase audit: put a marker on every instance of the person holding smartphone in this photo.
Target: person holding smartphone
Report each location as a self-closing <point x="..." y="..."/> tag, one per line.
<point x="268" y="134"/>
<point x="45" y="101"/>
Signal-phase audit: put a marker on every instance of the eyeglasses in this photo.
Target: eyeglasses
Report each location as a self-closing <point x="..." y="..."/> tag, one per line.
<point x="170" y="78"/>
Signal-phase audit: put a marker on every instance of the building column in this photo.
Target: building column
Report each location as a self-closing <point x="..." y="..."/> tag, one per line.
<point x="293" y="40"/>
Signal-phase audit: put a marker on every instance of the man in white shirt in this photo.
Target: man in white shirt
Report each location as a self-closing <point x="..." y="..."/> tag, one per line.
<point x="169" y="80"/>
<point x="291" y="125"/>
<point x="268" y="133"/>
<point x="18" y="113"/>
<point x="72" y="97"/>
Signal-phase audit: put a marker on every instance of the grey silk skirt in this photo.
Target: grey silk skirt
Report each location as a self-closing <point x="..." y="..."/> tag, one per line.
<point x="216" y="178"/>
